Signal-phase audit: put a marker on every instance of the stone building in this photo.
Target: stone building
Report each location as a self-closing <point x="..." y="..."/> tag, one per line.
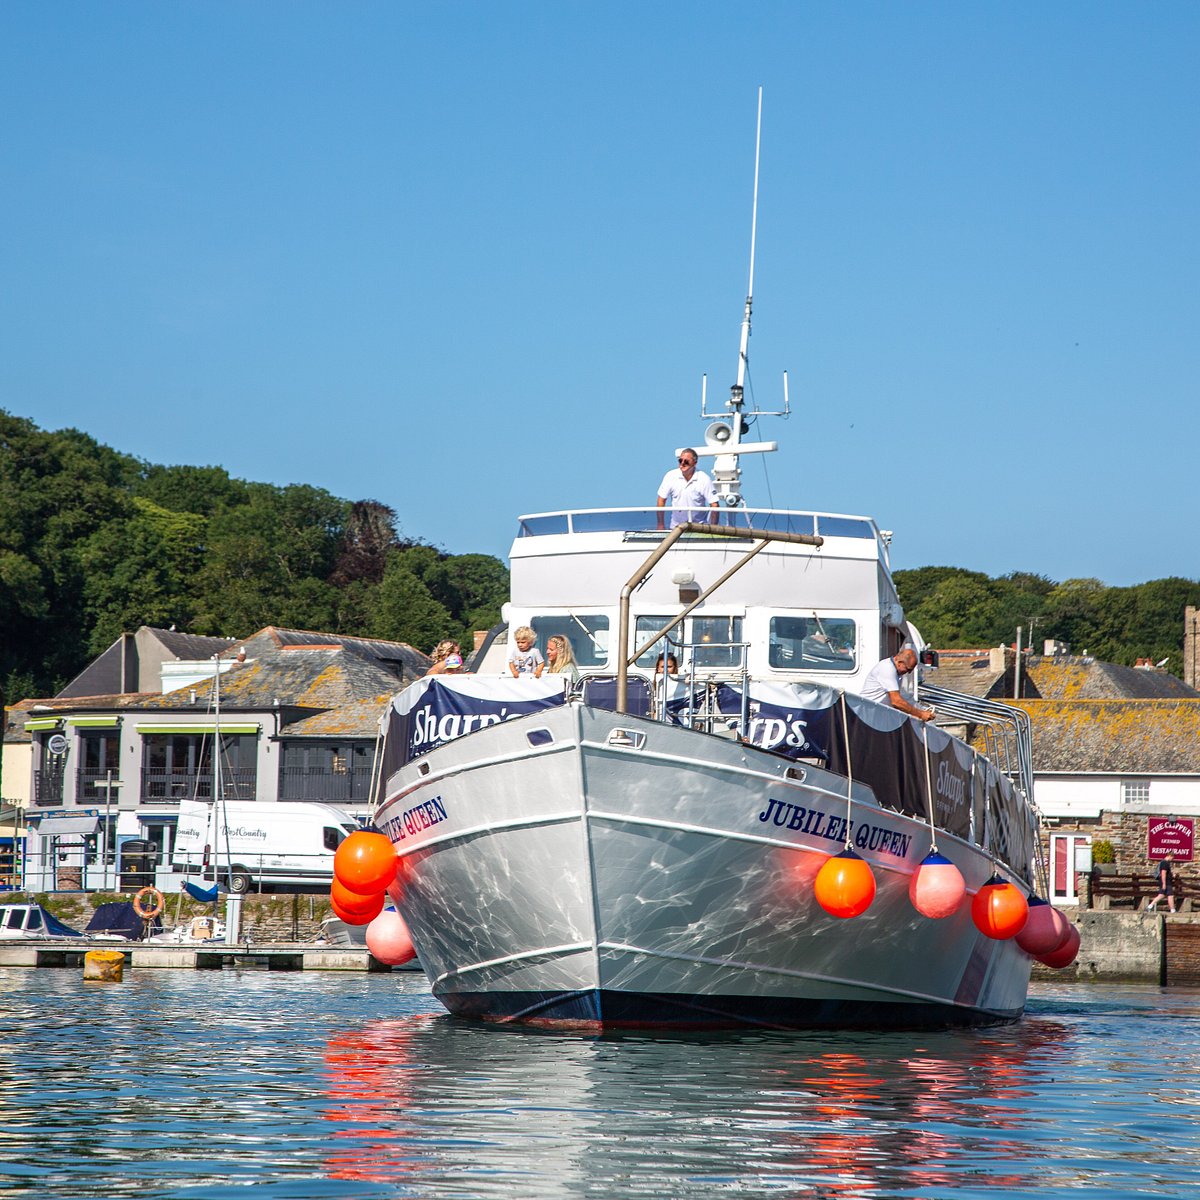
<point x="1115" y="750"/>
<point x="92" y="773"/>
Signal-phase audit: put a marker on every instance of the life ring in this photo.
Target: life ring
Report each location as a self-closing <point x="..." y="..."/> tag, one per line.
<point x="156" y="903"/>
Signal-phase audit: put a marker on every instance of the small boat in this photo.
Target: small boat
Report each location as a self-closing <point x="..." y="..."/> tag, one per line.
<point x="646" y="849"/>
<point x="338" y="933"/>
<point x="191" y="932"/>
<point x="23" y="922"/>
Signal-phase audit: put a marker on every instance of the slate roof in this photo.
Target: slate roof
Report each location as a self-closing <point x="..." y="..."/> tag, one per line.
<point x="401" y="659"/>
<point x="1066" y="678"/>
<point x="105" y="673"/>
<point x="1073" y="678"/>
<point x="970" y="672"/>
<point x="16" y="715"/>
<point x="325" y="685"/>
<point x="1154" y="737"/>
<point x="358" y="719"/>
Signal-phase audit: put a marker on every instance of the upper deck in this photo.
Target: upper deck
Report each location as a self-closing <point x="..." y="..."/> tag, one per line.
<point x="583" y="557"/>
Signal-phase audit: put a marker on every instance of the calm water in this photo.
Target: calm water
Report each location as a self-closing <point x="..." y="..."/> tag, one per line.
<point x="191" y="1084"/>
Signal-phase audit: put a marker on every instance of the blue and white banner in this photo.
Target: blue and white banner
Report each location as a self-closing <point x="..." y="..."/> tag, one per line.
<point x="440" y="708"/>
<point x="791" y="719"/>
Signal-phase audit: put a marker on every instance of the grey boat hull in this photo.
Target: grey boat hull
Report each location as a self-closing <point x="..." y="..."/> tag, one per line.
<point x="583" y="868"/>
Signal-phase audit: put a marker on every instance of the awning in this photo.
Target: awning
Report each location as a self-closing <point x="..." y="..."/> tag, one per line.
<point x="57" y="826"/>
<point x="198" y="729"/>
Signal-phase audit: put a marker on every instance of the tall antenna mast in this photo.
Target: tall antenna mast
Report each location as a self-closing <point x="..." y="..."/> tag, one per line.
<point x="736" y="399"/>
<point x="723" y="438"/>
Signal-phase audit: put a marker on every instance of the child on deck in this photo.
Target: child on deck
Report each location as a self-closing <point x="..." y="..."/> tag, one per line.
<point x="525" y="658"/>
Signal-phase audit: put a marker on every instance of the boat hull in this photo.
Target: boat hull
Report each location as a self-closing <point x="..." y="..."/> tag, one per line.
<point x="585" y="869"/>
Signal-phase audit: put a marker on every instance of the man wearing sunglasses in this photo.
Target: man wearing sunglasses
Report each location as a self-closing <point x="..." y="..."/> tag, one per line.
<point x="686" y="492"/>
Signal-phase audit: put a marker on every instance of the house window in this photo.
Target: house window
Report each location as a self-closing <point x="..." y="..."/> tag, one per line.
<point x="334" y="772"/>
<point x="179" y="766"/>
<point x="1135" y="791"/>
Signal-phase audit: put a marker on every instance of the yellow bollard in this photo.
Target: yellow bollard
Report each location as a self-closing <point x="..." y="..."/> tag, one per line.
<point x="104" y="966"/>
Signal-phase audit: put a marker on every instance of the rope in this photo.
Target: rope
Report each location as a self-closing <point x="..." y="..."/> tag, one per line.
<point x="849" y="768"/>
<point x="929" y="791"/>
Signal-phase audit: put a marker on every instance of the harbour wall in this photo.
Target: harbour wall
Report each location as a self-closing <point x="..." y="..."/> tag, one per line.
<point x="1133" y="947"/>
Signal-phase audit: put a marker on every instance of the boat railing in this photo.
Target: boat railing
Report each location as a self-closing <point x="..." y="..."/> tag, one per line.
<point x="640" y="522"/>
<point x="1006" y="731"/>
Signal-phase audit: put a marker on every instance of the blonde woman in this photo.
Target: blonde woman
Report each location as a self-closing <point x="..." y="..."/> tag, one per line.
<point x="560" y="660"/>
<point x="447" y="658"/>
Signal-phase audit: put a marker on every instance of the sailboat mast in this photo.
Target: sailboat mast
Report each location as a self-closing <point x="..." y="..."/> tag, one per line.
<point x="220" y="812"/>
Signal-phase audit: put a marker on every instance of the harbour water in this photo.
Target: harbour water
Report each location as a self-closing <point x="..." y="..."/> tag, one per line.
<point x="204" y="1084"/>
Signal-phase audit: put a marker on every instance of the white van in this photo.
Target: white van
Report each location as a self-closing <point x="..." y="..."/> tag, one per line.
<point x="252" y="846"/>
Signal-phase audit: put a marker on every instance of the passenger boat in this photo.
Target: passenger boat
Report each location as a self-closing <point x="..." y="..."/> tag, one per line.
<point x="638" y="849"/>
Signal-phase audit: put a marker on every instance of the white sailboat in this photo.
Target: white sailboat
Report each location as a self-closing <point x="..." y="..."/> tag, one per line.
<point x="641" y="849"/>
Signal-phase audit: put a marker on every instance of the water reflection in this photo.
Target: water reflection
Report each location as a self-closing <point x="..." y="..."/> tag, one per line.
<point x="429" y="1101"/>
<point x="199" y="1085"/>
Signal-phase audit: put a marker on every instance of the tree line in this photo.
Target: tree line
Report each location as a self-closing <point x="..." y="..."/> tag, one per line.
<point x="958" y="609"/>
<point x="94" y="542"/>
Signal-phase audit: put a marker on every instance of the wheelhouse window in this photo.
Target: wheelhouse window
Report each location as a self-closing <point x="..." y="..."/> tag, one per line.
<point x="587" y="635"/>
<point x="813" y="644"/>
<point x="702" y="642"/>
<point x="644" y="629"/>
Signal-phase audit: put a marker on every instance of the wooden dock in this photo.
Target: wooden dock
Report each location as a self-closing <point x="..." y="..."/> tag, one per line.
<point x="201" y="956"/>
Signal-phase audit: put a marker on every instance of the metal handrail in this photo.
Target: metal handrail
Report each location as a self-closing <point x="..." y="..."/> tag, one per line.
<point x="624" y="659"/>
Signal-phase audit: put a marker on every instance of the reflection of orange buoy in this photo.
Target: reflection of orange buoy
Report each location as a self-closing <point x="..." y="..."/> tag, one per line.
<point x="937" y="887"/>
<point x="999" y="910"/>
<point x="388" y="939"/>
<point x="1064" y="956"/>
<point x="358" y="916"/>
<point x="1045" y="930"/>
<point x="844" y="886"/>
<point x="365" y="862"/>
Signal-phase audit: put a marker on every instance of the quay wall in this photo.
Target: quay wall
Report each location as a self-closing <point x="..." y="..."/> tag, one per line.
<point x="1115" y="945"/>
<point x="265" y="918"/>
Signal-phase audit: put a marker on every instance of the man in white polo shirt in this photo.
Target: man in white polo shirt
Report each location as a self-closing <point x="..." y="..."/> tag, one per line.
<point x="686" y="492"/>
<point x="883" y="683"/>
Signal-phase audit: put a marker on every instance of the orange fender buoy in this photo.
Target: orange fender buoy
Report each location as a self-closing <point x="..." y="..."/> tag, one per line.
<point x="999" y="910"/>
<point x="845" y="886"/>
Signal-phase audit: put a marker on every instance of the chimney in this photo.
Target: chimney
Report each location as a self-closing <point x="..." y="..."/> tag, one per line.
<point x="480" y="637"/>
<point x="999" y="658"/>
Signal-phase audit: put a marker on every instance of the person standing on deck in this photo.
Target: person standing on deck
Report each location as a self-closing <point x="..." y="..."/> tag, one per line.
<point x="882" y="683"/>
<point x="685" y="491"/>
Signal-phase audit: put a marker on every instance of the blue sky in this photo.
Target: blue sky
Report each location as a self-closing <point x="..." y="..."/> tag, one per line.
<point x="471" y="260"/>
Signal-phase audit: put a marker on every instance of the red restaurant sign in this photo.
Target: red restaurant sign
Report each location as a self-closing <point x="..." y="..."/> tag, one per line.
<point x="1165" y="836"/>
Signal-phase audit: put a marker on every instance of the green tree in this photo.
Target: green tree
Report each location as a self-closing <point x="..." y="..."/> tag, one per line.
<point x="403" y="610"/>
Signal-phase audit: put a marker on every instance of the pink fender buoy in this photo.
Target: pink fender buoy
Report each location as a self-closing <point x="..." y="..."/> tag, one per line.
<point x="844" y="886"/>
<point x="1064" y="956"/>
<point x="937" y="887"/>
<point x="999" y="910"/>
<point x="365" y="862"/>
<point x="1045" y="930"/>
<point x="388" y="939"/>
